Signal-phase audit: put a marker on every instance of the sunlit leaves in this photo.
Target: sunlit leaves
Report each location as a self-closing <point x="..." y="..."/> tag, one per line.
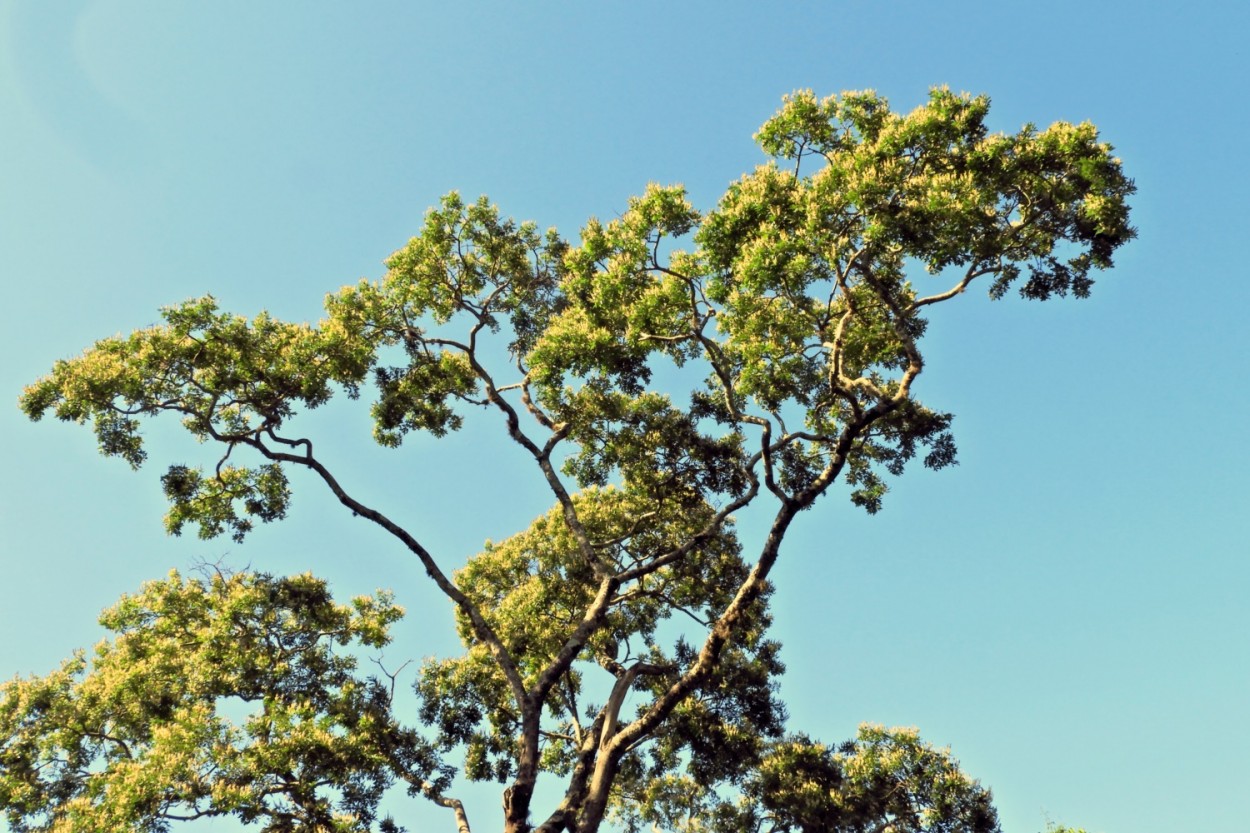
<point x="884" y="779"/>
<point x="535" y="584"/>
<point x="624" y="633"/>
<point x="796" y="295"/>
<point x="226" y="500"/>
<point x="230" y="380"/>
<point x="890" y="774"/>
<point x="467" y="260"/>
<point x="534" y="589"/>
<point x="150" y="729"/>
<point x="619" y="305"/>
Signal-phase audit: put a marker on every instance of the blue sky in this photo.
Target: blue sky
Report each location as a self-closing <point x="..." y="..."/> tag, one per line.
<point x="1067" y="608"/>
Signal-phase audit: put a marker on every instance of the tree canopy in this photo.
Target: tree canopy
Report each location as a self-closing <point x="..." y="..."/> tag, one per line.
<point x="801" y="299"/>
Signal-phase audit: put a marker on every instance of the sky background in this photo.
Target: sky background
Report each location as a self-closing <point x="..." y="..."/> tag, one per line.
<point x="1066" y="609"/>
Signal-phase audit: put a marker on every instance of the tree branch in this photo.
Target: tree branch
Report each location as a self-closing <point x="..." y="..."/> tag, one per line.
<point x="428" y="790"/>
<point x="481" y="628"/>
<point x="969" y="276"/>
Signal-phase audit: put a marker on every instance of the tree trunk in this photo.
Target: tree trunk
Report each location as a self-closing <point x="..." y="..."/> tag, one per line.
<point x="516" y="807"/>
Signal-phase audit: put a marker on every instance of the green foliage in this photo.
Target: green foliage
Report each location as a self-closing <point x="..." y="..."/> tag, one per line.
<point x="885" y="779"/>
<point x="534" y="587"/>
<point x="149" y="731"/>
<point x="621" y="641"/>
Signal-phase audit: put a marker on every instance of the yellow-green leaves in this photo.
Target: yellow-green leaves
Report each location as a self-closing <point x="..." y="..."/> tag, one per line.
<point x="231" y="380"/>
<point x="935" y="185"/>
<point x="468" y="261"/>
<point x="816" y="276"/>
<point x="884" y="779"/>
<point x="533" y="586"/>
<point x="622" y="302"/>
<point x="798" y="300"/>
<point x="534" y="589"/>
<point x="150" y="730"/>
<point x="802" y="296"/>
<point x="226" y="500"/>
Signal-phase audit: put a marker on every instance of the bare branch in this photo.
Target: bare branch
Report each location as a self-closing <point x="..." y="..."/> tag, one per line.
<point x="389" y="675"/>
<point x="428" y="790"/>
<point x="972" y="274"/>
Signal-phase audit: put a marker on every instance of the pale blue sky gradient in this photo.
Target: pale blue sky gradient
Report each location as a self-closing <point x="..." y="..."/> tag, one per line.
<point x="1067" y="608"/>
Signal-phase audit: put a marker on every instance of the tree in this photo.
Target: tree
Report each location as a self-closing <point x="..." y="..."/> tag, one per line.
<point x="798" y="295"/>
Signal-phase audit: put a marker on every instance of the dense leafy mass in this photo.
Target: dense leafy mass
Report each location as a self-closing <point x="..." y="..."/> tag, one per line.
<point x="142" y="734"/>
<point x="620" y="643"/>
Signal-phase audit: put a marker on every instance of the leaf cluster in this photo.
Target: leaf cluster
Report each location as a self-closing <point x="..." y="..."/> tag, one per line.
<point x="229" y="696"/>
<point x="886" y="779"/>
<point x="534" y="589"/>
